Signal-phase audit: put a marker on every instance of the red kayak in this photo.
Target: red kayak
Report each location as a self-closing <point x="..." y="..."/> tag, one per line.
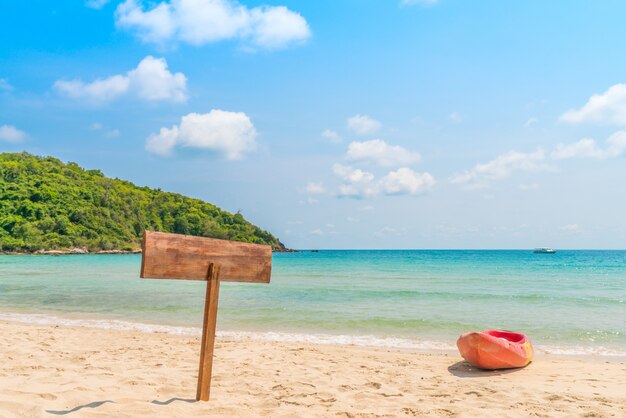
<point x="495" y="349"/>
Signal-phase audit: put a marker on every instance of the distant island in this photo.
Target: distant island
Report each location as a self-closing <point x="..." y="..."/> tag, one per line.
<point x="50" y="206"/>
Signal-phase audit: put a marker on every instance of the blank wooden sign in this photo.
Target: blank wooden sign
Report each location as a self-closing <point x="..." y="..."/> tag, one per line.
<point x="184" y="257"/>
<point x="174" y="256"/>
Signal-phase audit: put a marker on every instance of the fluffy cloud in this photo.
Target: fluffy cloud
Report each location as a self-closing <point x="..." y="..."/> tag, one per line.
<point x="10" y="133"/>
<point x="229" y="133"/>
<point x="359" y="184"/>
<point x="96" y="4"/>
<point x="379" y="152"/>
<point x="406" y="181"/>
<point x="363" y="125"/>
<point x="101" y="90"/>
<point x="332" y="136"/>
<point x="315" y="188"/>
<point x="355" y="176"/>
<point x="608" y="107"/>
<point x="151" y="80"/>
<point x="502" y="166"/>
<point x="587" y="148"/>
<point x="200" y="22"/>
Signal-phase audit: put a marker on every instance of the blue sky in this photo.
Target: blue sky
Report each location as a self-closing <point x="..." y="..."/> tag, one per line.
<point x="339" y="124"/>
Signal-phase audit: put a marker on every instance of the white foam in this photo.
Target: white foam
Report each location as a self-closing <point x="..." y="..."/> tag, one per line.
<point x="599" y="351"/>
<point x="327" y="339"/>
<point x="359" y="340"/>
<point x="42" y="319"/>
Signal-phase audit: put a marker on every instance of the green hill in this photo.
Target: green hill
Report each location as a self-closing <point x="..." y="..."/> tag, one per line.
<point x="46" y="204"/>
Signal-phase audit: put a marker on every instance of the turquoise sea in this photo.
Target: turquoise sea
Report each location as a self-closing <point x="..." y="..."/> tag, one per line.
<point x="571" y="302"/>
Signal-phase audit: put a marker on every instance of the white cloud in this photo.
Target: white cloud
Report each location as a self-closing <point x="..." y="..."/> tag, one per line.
<point x="200" y="22"/>
<point x="406" y="181"/>
<point x="4" y="85"/>
<point x="352" y="175"/>
<point x="10" y="133"/>
<point x="151" y="80"/>
<point x="101" y="90"/>
<point x="358" y="183"/>
<point x="317" y="232"/>
<point x="96" y="4"/>
<point x="587" y="148"/>
<point x="363" y="125"/>
<point x="277" y="27"/>
<point x="607" y="107"/>
<point x="230" y="133"/>
<point x="350" y="190"/>
<point x="502" y="166"/>
<point x="315" y="188"/>
<point x="332" y="136"/>
<point x="379" y="152"/>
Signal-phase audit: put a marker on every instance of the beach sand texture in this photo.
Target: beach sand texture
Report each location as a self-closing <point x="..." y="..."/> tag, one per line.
<point x="55" y="371"/>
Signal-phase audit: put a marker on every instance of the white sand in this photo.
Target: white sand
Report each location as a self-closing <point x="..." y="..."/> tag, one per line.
<point x="49" y="371"/>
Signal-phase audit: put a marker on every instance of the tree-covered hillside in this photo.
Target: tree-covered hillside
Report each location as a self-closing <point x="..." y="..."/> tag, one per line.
<point x="46" y="204"/>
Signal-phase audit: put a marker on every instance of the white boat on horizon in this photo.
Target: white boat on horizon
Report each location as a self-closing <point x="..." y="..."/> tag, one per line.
<point x="544" y="250"/>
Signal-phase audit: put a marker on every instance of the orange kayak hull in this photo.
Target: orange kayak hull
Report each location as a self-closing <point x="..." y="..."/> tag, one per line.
<point x="495" y="349"/>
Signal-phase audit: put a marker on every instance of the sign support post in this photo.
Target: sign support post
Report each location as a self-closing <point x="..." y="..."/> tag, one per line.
<point x="208" y="333"/>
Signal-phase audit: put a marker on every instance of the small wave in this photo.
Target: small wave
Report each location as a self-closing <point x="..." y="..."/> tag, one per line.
<point x="112" y="324"/>
<point x="580" y="351"/>
<point x="326" y="339"/>
<point x="108" y="324"/>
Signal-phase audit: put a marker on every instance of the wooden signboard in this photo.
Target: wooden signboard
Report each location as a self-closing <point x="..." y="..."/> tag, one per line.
<point x="184" y="257"/>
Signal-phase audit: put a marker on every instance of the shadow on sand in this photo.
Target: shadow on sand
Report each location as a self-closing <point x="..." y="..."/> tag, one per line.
<point x="464" y="369"/>
<point x="169" y="401"/>
<point x="77" y="408"/>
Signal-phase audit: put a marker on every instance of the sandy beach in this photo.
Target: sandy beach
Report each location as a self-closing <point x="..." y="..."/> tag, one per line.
<point x="52" y="370"/>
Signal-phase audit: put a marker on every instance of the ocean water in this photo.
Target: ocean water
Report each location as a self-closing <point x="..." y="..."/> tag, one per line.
<point x="571" y="302"/>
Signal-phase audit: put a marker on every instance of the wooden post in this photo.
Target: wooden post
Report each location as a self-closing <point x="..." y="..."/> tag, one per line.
<point x="208" y="333"/>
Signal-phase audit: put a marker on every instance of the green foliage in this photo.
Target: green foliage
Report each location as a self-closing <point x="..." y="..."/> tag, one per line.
<point x="46" y="204"/>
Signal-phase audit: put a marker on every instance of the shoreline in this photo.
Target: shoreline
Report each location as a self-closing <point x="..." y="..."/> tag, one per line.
<point x="59" y="369"/>
<point x="402" y="343"/>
